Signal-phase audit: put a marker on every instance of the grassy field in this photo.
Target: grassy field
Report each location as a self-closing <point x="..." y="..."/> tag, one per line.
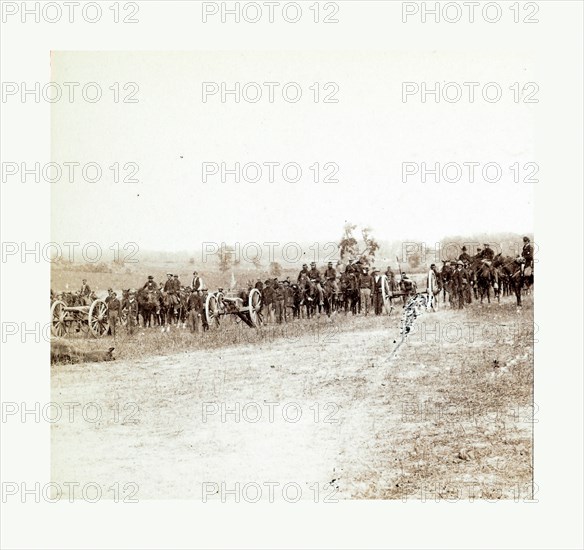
<point x="450" y="416"/>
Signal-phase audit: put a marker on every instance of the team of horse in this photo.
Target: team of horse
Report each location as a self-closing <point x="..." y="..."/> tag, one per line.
<point x="502" y="276"/>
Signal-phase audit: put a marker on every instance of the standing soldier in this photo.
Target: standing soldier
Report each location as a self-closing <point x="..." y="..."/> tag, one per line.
<point x="457" y="285"/>
<point x="432" y="288"/>
<point x="377" y="292"/>
<point x="288" y="299"/>
<point x="279" y="301"/>
<point x="130" y="304"/>
<point x="197" y="282"/>
<point x="390" y="278"/>
<point x="366" y="286"/>
<point x="446" y="276"/>
<point x="268" y="301"/>
<point x="195" y="307"/>
<point x="114" y="310"/>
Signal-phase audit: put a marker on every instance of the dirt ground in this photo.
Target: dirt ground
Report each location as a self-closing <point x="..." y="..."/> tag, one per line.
<point x="318" y="414"/>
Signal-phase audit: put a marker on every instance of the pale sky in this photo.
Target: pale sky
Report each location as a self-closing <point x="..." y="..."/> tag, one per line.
<point x="368" y="134"/>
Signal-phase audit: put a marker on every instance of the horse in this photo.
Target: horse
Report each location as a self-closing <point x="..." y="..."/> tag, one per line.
<point x="517" y="279"/>
<point x="330" y="297"/>
<point x="486" y="278"/>
<point x="148" y="305"/>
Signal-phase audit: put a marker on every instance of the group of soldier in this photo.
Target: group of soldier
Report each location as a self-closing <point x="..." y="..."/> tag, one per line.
<point x="355" y="287"/>
<point x="458" y="278"/>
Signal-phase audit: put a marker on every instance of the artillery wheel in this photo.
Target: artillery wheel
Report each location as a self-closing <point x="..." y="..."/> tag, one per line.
<point x="386" y="294"/>
<point x="59" y="326"/>
<point x="97" y="318"/>
<point x="213" y="309"/>
<point x="255" y="307"/>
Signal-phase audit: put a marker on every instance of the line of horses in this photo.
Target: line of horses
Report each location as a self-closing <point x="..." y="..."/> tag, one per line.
<point x="283" y="300"/>
<point x="501" y="276"/>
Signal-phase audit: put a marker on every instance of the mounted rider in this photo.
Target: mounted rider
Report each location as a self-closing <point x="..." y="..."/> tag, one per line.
<point x="150" y="285"/>
<point x="527" y="252"/>
<point x="330" y="274"/>
<point x="315" y="277"/>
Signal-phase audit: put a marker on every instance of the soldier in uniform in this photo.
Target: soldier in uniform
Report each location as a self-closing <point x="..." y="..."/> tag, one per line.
<point x="114" y="310"/>
<point x="303" y="273"/>
<point x="527" y="253"/>
<point x="488" y="253"/>
<point x="314" y="275"/>
<point x="464" y="257"/>
<point x="85" y="290"/>
<point x="176" y="284"/>
<point x="130" y="304"/>
<point x="377" y="292"/>
<point x="196" y="308"/>
<point x="432" y="288"/>
<point x="197" y="282"/>
<point x="390" y="278"/>
<point x="150" y="285"/>
<point x="268" y="301"/>
<point x="459" y="283"/>
<point x="169" y="284"/>
<point x="366" y="286"/>
<point x="279" y="304"/>
<point x="330" y="274"/>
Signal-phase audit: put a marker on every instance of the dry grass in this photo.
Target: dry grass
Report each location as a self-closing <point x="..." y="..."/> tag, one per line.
<point x="446" y="418"/>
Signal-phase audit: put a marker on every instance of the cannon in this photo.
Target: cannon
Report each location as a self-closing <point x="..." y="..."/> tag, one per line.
<point x="92" y="319"/>
<point x="246" y="306"/>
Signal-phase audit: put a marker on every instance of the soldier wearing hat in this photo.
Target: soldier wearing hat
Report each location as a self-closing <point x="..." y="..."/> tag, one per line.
<point x="314" y="275"/>
<point x="366" y="287"/>
<point x="330" y="274"/>
<point x="279" y="301"/>
<point x="527" y="252"/>
<point x="114" y="310"/>
<point x="268" y="301"/>
<point x="130" y="305"/>
<point x="195" y="307"/>
<point x="303" y="273"/>
<point x="169" y="284"/>
<point x="464" y="257"/>
<point x="459" y="283"/>
<point x="488" y="253"/>
<point x="432" y="287"/>
<point x="150" y="285"/>
<point x="197" y="282"/>
<point x="85" y="290"/>
<point x="377" y="291"/>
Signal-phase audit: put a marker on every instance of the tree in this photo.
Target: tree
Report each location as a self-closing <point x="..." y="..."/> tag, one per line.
<point x="225" y="255"/>
<point x="414" y="260"/>
<point x="275" y="269"/>
<point x="351" y="248"/>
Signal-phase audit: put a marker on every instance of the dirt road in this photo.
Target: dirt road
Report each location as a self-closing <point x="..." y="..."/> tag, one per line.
<point x="319" y="417"/>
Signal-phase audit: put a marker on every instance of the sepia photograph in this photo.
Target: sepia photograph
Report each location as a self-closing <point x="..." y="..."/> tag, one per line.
<point x="318" y="312"/>
<point x="304" y="274"/>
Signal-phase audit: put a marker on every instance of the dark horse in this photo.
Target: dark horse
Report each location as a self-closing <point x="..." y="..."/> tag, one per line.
<point x="487" y="277"/>
<point x="512" y="270"/>
<point x="148" y="305"/>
